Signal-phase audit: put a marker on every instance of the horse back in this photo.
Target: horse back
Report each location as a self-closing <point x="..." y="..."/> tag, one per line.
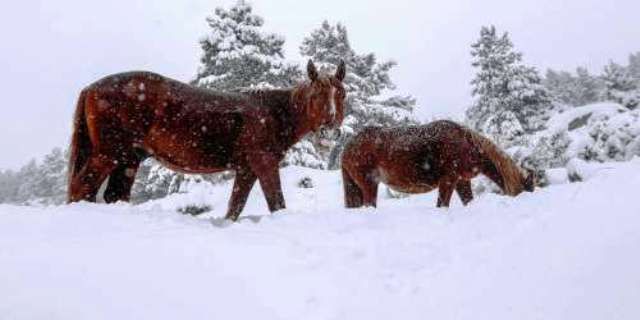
<point x="187" y="128"/>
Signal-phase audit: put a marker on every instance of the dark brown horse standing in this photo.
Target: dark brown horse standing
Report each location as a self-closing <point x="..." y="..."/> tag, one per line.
<point x="124" y="118"/>
<point x="418" y="159"/>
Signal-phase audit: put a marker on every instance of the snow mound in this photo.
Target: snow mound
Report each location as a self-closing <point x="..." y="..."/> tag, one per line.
<point x="568" y="251"/>
<point x="577" y="117"/>
<point x="600" y="132"/>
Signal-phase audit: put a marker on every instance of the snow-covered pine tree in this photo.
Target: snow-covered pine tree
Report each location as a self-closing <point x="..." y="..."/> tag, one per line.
<point x="44" y="182"/>
<point x="368" y="86"/>
<point x="237" y="53"/>
<point x="510" y="98"/>
<point x="562" y="86"/>
<point x="620" y="86"/>
<point x="27" y="178"/>
<point x="16" y="186"/>
<point x="573" y="90"/>
<point x="634" y="66"/>
<point x="8" y="185"/>
<point x="590" y="87"/>
<point x="51" y="184"/>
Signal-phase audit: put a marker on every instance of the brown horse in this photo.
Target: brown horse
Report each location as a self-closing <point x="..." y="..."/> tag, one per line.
<point x="418" y="159"/>
<point x="124" y="118"/>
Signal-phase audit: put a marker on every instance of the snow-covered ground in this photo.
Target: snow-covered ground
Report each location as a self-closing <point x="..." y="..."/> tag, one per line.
<point x="569" y="251"/>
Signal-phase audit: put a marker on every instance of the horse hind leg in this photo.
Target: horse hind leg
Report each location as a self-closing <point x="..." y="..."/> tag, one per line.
<point x="120" y="183"/>
<point x="352" y="193"/>
<point x="463" y="189"/>
<point x="86" y="183"/>
<point x="445" y="191"/>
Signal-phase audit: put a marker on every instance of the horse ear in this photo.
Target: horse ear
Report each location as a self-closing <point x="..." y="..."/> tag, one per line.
<point x="341" y="71"/>
<point x="312" y="72"/>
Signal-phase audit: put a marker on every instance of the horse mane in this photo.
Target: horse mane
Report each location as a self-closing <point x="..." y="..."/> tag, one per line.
<point x="269" y="97"/>
<point x="512" y="175"/>
<point x="274" y="97"/>
<point x="281" y="104"/>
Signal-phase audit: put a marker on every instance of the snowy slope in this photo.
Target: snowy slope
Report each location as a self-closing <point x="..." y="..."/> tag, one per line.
<point x="569" y="251"/>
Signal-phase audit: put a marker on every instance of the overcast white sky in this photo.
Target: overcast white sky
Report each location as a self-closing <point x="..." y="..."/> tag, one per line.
<point x="51" y="49"/>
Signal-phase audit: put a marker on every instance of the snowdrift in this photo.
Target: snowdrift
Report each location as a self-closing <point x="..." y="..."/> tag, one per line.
<point x="597" y="132"/>
<point x="569" y="251"/>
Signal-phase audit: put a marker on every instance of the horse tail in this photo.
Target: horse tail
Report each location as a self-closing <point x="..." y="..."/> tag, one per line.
<point x="512" y="175"/>
<point x="352" y="194"/>
<point x="80" y="143"/>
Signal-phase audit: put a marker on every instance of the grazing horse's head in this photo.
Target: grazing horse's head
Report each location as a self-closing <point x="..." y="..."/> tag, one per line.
<point x="322" y="98"/>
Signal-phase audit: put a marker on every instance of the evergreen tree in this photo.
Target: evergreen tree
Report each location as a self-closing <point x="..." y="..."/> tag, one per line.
<point x="27" y="177"/>
<point x="620" y="86"/>
<point x="8" y="182"/>
<point x="590" y="87"/>
<point x="562" y="86"/>
<point x="44" y="182"/>
<point x="366" y="81"/>
<point x="510" y="98"/>
<point x="634" y="66"/>
<point x="237" y="53"/>
<point x="573" y="90"/>
<point x="51" y="183"/>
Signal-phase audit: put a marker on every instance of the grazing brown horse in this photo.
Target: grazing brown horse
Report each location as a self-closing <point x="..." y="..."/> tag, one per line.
<point x="124" y="118"/>
<point x="418" y="159"/>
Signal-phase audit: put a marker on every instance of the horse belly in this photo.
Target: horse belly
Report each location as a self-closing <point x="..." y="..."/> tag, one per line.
<point x="414" y="189"/>
<point x="189" y="153"/>
<point x="404" y="182"/>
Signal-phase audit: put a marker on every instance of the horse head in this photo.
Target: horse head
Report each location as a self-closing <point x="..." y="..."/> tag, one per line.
<point x="322" y="98"/>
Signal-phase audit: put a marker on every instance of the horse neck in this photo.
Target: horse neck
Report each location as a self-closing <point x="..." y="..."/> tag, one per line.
<point x="276" y="99"/>
<point x="490" y="170"/>
<point x="304" y="122"/>
<point x="285" y="108"/>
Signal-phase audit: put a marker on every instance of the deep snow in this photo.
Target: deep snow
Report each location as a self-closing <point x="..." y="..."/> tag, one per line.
<point x="569" y="251"/>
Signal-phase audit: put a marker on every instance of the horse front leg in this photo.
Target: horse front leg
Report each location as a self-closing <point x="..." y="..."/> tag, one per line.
<point x="244" y="181"/>
<point x="445" y="190"/>
<point x="370" y="190"/>
<point x="268" y="170"/>
<point x="353" y="197"/>
<point x="120" y="183"/>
